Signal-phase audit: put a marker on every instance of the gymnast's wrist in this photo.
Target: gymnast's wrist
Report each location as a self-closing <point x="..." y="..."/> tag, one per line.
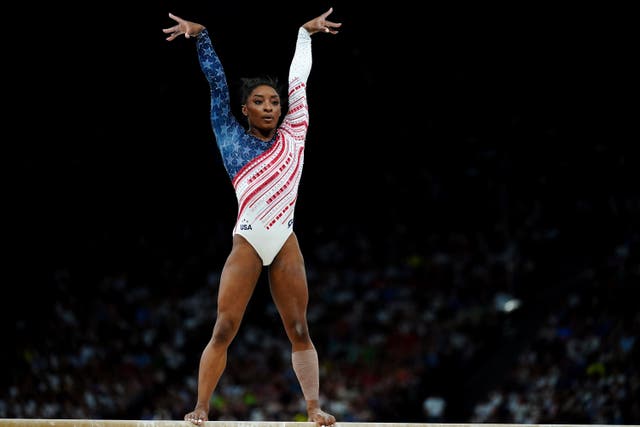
<point x="199" y="33"/>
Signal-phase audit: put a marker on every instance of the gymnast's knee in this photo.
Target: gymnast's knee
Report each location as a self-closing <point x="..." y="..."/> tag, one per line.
<point x="298" y="331"/>
<point x="224" y="330"/>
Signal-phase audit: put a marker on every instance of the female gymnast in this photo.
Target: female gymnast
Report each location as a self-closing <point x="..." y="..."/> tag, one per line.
<point x="264" y="161"/>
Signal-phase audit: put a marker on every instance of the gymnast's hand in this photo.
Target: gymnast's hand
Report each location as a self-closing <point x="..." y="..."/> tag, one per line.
<point x="320" y="24"/>
<point x="188" y="28"/>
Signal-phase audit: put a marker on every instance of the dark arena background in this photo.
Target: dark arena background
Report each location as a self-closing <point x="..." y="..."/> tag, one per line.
<point x="469" y="214"/>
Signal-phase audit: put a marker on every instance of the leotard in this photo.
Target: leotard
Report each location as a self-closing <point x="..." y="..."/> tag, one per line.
<point x="264" y="174"/>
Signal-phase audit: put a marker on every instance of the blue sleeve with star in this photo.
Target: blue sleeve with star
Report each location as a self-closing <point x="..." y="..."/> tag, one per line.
<point x="230" y="134"/>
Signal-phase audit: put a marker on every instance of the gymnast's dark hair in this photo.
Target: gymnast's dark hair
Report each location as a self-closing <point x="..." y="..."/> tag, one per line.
<point x="248" y="84"/>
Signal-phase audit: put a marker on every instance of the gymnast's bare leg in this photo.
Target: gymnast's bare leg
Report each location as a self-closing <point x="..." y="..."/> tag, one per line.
<point x="240" y="274"/>
<point x="288" y="283"/>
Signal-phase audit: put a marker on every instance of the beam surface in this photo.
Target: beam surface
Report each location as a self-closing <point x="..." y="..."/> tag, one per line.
<point x="40" y="422"/>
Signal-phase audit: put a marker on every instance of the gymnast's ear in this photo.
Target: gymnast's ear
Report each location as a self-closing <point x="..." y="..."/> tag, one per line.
<point x="244" y="109"/>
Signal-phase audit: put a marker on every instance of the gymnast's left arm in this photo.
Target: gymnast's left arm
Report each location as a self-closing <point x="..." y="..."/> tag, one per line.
<point x="301" y="63"/>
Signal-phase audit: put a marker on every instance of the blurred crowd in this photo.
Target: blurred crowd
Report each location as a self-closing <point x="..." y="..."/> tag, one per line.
<point x="512" y="301"/>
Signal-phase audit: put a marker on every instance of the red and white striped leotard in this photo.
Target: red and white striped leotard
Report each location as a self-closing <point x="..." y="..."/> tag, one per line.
<point x="265" y="175"/>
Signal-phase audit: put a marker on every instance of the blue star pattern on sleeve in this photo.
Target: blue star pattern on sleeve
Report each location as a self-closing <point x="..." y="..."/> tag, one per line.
<point x="236" y="146"/>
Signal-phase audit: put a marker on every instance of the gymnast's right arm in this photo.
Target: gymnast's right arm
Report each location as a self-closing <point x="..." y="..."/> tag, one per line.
<point x="210" y="65"/>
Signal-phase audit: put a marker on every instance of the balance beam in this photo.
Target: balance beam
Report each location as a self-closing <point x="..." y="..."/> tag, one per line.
<point x="40" y="422"/>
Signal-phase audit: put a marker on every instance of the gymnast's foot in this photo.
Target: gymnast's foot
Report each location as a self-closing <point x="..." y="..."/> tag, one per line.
<point x="320" y="417"/>
<point x="197" y="416"/>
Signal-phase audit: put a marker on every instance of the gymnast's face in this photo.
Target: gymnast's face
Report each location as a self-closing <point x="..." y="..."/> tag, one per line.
<point x="263" y="110"/>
